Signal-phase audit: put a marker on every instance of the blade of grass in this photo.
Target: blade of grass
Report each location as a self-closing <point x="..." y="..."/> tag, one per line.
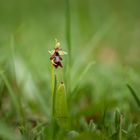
<point x="68" y="28"/>
<point x="12" y="94"/>
<point x="118" y="123"/>
<point x="134" y="94"/>
<point x="82" y="75"/>
<point x="104" y="116"/>
<point x="68" y="41"/>
<point x="13" y="55"/>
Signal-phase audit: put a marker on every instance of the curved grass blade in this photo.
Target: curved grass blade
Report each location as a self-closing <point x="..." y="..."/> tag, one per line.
<point x="11" y="93"/>
<point x="134" y="94"/>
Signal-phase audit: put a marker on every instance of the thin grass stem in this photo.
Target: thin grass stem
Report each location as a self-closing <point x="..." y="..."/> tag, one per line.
<point x="68" y="28"/>
<point x="68" y="41"/>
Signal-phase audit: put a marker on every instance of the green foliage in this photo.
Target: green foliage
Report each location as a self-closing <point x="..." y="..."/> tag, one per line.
<point x="60" y="107"/>
<point x="35" y="105"/>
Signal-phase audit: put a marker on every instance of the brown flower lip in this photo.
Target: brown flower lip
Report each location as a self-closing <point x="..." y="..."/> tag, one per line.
<point x="56" y="58"/>
<point x="56" y="55"/>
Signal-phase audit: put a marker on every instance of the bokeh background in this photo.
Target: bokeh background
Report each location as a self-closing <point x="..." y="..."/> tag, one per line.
<point x="105" y="55"/>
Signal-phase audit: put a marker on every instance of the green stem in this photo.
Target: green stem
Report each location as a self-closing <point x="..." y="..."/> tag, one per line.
<point x="54" y="84"/>
<point x="54" y="96"/>
<point x="53" y="77"/>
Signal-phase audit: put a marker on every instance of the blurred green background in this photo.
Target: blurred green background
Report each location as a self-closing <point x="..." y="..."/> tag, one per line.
<point x="105" y="50"/>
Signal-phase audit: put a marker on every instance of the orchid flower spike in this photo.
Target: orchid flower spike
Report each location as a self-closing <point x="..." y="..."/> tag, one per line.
<point x="56" y="54"/>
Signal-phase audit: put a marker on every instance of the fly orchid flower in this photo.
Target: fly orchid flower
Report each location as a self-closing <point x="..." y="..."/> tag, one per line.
<point x="56" y="55"/>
